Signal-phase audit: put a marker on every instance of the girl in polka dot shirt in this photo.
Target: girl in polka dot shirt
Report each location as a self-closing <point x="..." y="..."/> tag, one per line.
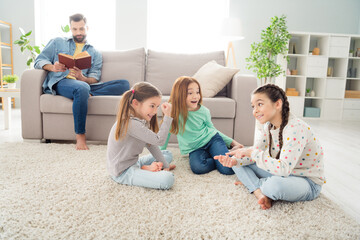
<point x="286" y="162"/>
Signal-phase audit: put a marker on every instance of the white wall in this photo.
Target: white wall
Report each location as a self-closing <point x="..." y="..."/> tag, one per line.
<point x="327" y="16"/>
<point x="131" y="24"/>
<point x="19" y="13"/>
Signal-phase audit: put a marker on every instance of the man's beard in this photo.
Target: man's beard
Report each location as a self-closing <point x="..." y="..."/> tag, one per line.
<point x="79" y="38"/>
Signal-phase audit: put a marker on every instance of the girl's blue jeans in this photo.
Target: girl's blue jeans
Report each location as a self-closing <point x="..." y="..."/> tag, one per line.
<point x="202" y="159"/>
<point x="135" y="176"/>
<point x="291" y="188"/>
<point x="79" y="92"/>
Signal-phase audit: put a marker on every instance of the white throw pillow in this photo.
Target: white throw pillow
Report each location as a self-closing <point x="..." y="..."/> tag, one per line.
<point x="213" y="77"/>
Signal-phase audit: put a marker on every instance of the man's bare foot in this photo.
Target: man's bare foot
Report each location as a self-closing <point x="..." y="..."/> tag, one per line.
<point x="238" y="183"/>
<point x="81" y="142"/>
<point x="263" y="201"/>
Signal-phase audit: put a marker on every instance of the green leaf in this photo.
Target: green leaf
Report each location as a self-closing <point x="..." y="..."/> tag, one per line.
<point x="28" y="34"/>
<point x="37" y="49"/>
<point x="29" y="47"/>
<point x="29" y="61"/>
<point x="65" y="29"/>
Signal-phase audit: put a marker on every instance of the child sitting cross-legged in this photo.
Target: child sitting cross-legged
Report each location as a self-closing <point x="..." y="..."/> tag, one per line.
<point x="286" y="162"/>
<point x="137" y="127"/>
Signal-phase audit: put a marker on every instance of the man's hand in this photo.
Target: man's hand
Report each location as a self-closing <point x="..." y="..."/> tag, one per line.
<point x="57" y="67"/>
<point x="77" y="73"/>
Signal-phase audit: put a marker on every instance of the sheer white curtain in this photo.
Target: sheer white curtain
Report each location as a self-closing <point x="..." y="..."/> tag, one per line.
<point x="50" y="15"/>
<point x="186" y="25"/>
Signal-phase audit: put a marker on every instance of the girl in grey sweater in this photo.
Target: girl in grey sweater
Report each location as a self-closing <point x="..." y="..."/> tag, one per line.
<point x="137" y="127"/>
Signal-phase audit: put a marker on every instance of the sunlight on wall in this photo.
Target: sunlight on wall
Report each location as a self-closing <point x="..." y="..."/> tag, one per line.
<point x="50" y="15"/>
<point x="186" y="25"/>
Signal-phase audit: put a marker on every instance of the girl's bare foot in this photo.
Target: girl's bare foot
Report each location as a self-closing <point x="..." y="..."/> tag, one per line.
<point x="171" y="167"/>
<point x="81" y="142"/>
<point x="263" y="201"/>
<point x="238" y="183"/>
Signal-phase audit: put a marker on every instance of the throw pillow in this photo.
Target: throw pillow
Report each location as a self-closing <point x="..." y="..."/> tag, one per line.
<point x="213" y="77"/>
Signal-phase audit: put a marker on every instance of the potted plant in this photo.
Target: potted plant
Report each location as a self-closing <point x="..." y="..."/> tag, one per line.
<point x="11" y="80"/>
<point x="263" y="55"/>
<point x="308" y="92"/>
<point x="24" y="44"/>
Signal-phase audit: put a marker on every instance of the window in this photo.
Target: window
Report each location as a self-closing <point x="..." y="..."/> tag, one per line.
<point x="186" y="25"/>
<point x="51" y="15"/>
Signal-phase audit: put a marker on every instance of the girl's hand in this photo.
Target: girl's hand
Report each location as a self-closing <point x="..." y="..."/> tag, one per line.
<point x="171" y="167"/>
<point x="235" y="145"/>
<point x="226" y="161"/>
<point x="166" y="108"/>
<point x="240" y="153"/>
<point x="154" y="167"/>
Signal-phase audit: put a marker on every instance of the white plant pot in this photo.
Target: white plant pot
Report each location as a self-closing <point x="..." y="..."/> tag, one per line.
<point x="11" y="85"/>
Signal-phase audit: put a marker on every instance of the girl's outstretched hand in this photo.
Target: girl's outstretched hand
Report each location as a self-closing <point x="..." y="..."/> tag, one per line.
<point x="166" y="108"/>
<point x="226" y="161"/>
<point x="240" y="153"/>
<point x="171" y="167"/>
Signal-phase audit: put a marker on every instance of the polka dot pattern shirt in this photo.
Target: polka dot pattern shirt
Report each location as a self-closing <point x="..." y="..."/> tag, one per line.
<point x="301" y="153"/>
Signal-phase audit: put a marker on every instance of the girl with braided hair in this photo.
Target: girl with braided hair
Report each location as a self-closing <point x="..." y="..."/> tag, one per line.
<point x="286" y="161"/>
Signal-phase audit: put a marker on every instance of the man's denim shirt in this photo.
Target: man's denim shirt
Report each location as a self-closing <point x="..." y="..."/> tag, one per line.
<point x="49" y="55"/>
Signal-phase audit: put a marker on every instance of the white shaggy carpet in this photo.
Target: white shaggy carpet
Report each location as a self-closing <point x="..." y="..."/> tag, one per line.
<point x="52" y="191"/>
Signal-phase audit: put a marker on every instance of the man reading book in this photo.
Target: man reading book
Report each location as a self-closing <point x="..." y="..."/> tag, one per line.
<point x="72" y="82"/>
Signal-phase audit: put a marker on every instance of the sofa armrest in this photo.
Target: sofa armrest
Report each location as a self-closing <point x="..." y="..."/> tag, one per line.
<point x="244" y="125"/>
<point x="30" y="92"/>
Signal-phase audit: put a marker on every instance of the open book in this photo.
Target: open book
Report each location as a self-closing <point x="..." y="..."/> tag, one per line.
<point x="81" y="60"/>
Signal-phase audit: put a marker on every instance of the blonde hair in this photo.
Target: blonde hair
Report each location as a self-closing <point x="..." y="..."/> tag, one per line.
<point x="140" y="91"/>
<point x="178" y="100"/>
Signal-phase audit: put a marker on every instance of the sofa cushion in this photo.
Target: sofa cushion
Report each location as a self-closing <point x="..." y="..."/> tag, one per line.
<point x="129" y="65"/>
<point x="220" y="107"/>
<point x="213" y="77"/>
<point x="97" y="105"/>
<point x="164" y="68"/>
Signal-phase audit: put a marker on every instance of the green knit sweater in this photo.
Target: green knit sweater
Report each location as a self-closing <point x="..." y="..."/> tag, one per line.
<point x="198" y="131"/>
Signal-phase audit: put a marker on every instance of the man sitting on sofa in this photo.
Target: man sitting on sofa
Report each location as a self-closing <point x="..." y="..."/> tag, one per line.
<point x="74" y="83"/>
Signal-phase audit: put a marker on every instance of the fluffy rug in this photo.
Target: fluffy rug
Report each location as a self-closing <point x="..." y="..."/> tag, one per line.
<point x="52" y="191"/>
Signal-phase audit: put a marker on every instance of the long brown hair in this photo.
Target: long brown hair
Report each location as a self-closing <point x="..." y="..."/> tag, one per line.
<point x="178" y="100"/>
<point x="140" y="91"/>
<point x="274" y="93"/>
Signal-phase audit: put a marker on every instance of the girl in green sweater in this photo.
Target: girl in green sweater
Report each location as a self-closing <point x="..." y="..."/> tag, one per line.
<point x="195" y="132"/>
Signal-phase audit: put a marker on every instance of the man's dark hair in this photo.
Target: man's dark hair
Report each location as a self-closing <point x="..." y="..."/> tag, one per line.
<point x="77" y="18"/>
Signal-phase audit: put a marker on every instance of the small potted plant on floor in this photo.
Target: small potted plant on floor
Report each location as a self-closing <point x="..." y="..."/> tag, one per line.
<point x="11" y="80"/>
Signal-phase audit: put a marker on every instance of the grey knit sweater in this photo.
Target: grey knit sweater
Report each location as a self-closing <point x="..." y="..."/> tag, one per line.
<point x="125" y="152"/>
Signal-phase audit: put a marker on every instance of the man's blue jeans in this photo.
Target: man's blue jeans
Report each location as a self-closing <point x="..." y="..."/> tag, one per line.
<point x="79" y="91"/>
<point x="202" y="159"/>
<point x="291" y="188"/>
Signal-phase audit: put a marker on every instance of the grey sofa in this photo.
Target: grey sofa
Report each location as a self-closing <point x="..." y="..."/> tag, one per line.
<point x="46" y="116"/>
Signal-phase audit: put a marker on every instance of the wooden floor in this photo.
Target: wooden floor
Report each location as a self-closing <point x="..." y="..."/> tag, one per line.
<point x="340" y="139"/>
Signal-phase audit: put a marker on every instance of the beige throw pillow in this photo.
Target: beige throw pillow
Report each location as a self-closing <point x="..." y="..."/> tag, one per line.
<point x="213" y="77"/>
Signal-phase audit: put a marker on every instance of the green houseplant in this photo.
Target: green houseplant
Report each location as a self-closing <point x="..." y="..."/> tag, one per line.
<point x="11" y="79"/>
<point x="25" y="45"/>
<point x="263" y="55"/>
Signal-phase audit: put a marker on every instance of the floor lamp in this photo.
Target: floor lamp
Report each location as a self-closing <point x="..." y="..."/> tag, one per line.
<point x="231" y="30"/>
